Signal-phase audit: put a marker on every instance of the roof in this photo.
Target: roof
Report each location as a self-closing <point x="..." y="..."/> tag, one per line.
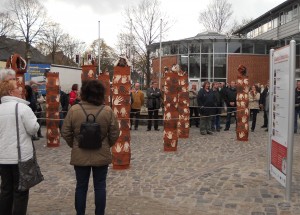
<point x="10" y="46"/>
<point x="275" y="10"/>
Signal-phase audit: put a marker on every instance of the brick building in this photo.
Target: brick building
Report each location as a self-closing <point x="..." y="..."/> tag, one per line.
<point x="215" y="57"/>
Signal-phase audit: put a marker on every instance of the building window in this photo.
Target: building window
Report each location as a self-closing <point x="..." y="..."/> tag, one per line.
<point x="288" y="16"/>
<point x="183" y="48"/>
<point x="206" y="47"/>
<point x="295" y="10"/>
<point x="184" y="61"/>
<point x="259" y="49"/>
<point x="281" y="16"/>
<point x="206" y="66"/>
<point x="166" y="50"/>
<point x="247" y="48"/>
<point x="220" y="65"/>
<point x="174" y="49"/>
<point x="275" y="22"/>
<point x="234" y="47"/>
<point x="194" y="48"/>
<point x="220" y="47"/>
<point x="194" y="71"/>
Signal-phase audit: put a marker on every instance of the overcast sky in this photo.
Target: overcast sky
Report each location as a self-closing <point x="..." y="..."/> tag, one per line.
<point x="80" y="18"/>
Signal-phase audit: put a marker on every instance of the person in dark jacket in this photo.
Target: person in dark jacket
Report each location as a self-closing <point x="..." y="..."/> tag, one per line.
<point x="262" y="105"/>
<point x="206" y="102"/>
<point x="230" y="100"/>
<point x="297" y="106"/>
<point x="30" y="97"/>
<point x="153" y="105"/>
<point x="215" y="119"/>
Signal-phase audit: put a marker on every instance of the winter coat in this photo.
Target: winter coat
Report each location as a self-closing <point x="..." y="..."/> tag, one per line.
<point x="137" y="99"/>
<point x="193" y="98"/>
<point x="109" y="129"/>
<point x="206" y="99"/>
<point x="72" y="97"/>
<point x="297" y="99"/>
<point x="263" y="96"/>
<point x="218" y="101"/>
<point x="153" y="98"/>
<point x="28" y="126"/>
<point x="254" y="100"/>
<point x="230" y="96"/>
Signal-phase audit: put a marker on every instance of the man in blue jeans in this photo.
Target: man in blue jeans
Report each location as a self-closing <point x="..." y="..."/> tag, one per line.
<point x="230" y="99"/>
<point x="297" y="106"/>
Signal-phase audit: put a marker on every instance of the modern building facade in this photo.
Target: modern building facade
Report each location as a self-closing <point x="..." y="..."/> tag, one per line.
<point x="215" y="57"/>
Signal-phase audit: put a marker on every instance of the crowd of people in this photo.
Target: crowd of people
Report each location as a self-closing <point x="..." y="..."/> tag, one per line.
<point x="206" y="106"/>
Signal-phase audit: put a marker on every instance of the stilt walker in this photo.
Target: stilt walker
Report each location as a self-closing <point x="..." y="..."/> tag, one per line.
<point x="52" y="109"/>
<point x="171" y="114"/>
<point x="183" y="105"/>
<point x="18" y="64"/>
<point x="121" y="106"/>
<point x="242" y="101"/>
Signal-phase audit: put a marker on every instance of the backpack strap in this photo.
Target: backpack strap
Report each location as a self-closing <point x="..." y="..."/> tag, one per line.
<point x="102" y="106"/>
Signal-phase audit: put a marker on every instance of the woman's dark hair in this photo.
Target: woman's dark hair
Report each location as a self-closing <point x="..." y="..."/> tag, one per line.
<point x="29" y="93"/>
<point x="204" y="83"/>
<point x="75" y="87"/>
<point x="93" y="91"/>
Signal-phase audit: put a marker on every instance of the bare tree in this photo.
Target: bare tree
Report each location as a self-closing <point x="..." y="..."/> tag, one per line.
<point x="29" y="20"/>
<point x="216" y="16"/>
<point x="5" y="24"/>
<point x="52" y="41"/>
<point x="145" y="19"/>
<point x="71" y="46"/>
<point x="236" y="25"/>
<point x="108" y="55"/>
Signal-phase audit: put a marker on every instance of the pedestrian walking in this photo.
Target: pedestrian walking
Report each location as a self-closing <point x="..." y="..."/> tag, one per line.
<point x="87" y="160"/>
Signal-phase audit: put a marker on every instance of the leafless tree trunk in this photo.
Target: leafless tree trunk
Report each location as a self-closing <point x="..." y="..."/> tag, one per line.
<point x="146" y="29"/>
<point x="5" y="24"/>
<point x="52" y="41"/>
<point x="216" y="15"/>
<point x="29" y="21"/>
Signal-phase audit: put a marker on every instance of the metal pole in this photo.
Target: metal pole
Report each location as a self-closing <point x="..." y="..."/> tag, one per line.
<point x="290" y="139"/>
<point x="160" y="53"/>
<point x="99" y="47"/>
<point x="270" y="118"/>
<point x="130" y="49"/>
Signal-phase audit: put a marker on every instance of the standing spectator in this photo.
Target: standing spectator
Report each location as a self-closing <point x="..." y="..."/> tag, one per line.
<point x="194" y="110"/>
<point x="254" y="97"/>
<point x="297" y="106"/>
<point x="263" y="102"/>
<point x="206" y="102"/>
<point x="85" y="160"/>
<point x="230" y="100"/>
<point x="13" y="201"/>
<point x="137" y="97"/>
<point x="30" y="97"/>
<point x="153" y="105"/>
<point x="7" y="74"/>
<point x="73" y="95"/>
<point x="215" y="119"/>
<point x="39" y="101"/>
<point x="64" y="106"/>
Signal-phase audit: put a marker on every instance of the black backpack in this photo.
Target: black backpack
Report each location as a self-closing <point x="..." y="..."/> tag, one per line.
<point x="90" y="132"/>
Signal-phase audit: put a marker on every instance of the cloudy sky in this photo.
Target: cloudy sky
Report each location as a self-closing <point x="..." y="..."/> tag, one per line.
<point x="80" y="18"/>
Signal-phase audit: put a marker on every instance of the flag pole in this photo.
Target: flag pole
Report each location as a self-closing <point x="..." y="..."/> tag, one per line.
<point x="160" y="52"/>
<point x="99" y="47"/>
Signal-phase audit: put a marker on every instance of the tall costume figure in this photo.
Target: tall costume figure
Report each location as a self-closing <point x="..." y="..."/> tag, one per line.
<point x="121" y="106"/>
<point x="242" y="101"/>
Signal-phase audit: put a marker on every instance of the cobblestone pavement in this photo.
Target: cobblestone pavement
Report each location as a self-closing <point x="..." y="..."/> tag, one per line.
<point x="209" y="175"/>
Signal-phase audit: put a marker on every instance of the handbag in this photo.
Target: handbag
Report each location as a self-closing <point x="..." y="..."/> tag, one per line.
<point x="29" y="171"/>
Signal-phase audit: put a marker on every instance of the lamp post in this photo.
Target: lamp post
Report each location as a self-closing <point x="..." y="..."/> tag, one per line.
<point x="28" y="57"/>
